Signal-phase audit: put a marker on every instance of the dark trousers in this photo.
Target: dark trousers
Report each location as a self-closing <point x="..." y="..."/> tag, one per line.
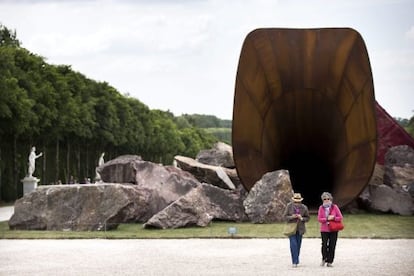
<point x="328" y="246"/>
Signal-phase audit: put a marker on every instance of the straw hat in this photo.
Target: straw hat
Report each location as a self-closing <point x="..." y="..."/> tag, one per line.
<point x="297" y="197"/>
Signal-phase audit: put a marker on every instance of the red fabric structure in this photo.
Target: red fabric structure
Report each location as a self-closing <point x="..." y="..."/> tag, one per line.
<point x="390" y="134"/>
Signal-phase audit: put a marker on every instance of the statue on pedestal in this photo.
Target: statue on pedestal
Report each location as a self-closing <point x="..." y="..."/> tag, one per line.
<point x="30" y="181"/>
<point x="32" y="161"/>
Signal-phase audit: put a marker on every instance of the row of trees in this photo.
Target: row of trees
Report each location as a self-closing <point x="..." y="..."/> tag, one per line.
<point x="407" y="124"/>
<point x="73" y="119"/>
<point x="219" y="128"/>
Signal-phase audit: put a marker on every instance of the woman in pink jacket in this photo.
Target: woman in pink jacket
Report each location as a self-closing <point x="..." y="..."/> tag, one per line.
<point x="328" y="212"/>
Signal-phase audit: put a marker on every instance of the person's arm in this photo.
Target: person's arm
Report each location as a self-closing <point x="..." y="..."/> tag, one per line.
<point x="287" y="215"/>
<point x="321" y="215"/>
<point x="305" y="216"/>
<point x="337" y="214"/>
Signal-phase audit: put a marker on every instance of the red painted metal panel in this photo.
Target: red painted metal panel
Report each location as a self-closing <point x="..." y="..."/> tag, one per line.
<point x="390" y="134"/>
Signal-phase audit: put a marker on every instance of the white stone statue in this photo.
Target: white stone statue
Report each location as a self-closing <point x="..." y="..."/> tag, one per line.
<point x="32" y="161"/>
<point x="101" y="161"/>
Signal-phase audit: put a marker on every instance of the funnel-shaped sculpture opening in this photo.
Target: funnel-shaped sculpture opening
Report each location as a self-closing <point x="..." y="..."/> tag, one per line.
<point x="304" y="101"/>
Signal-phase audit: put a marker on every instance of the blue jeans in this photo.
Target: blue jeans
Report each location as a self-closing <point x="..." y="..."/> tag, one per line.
<point x="295" y="244"/>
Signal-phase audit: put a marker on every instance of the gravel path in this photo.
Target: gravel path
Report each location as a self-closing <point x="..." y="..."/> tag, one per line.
<point x="201" y="257"/>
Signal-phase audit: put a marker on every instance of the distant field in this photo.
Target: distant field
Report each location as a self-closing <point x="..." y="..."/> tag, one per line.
<point x="356" y="226"/>
<point x="223" y="134"/>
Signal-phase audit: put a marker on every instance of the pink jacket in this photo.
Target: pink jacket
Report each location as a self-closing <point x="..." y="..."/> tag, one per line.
<point x="334" y="210"/>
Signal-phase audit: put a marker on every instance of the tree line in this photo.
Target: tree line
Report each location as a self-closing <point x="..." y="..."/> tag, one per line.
<point x="72" y="119"/>
<point x="407" y="124"/>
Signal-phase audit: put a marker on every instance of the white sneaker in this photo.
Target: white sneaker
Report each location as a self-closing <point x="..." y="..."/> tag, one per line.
<point x="329" y="265"/>
<point x="323" y="263"/>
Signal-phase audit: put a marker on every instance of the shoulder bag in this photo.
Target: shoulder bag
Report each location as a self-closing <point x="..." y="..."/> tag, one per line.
<point x="335" y="226"/>
<point x="290" y="228"/>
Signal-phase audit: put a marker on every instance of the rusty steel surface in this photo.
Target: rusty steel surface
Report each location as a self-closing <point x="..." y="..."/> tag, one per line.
<point x="304" y="101"/>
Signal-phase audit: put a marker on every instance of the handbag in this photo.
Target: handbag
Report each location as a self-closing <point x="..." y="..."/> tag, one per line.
<point x="335" y="226"/>
<point x="290" y="229"/>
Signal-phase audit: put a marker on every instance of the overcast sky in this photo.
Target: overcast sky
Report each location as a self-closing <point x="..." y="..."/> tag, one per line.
<point x="182" y="55"/>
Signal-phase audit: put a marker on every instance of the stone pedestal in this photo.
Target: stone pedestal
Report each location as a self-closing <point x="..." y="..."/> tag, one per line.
<point x="29" y="184"/>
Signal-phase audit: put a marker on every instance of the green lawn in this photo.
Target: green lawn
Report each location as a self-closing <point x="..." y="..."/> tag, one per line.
<point x="356" y="226"/>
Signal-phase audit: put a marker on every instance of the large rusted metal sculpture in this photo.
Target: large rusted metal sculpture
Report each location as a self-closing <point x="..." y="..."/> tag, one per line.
<point x="304" y="101"/>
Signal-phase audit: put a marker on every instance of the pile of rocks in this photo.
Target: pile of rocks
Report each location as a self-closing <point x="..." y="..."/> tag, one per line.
<point x="391" y="188"/>
<point x="193" y="192"/>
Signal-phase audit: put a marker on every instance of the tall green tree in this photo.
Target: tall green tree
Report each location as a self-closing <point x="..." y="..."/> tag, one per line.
<point x="164" y="140"/>
<point x="72" y="119"/>
<point x="410" y="126"/>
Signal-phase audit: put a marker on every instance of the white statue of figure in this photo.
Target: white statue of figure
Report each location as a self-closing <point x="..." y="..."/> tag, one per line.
<point x="32" y="161"/>
<point x="100" y="163"/>
<point x="101" y="159"/>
